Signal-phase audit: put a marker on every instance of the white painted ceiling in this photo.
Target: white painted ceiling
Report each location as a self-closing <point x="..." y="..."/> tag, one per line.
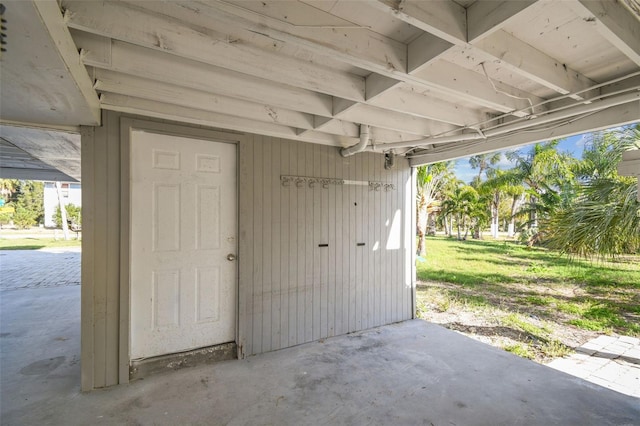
<point x="434" y="79"/>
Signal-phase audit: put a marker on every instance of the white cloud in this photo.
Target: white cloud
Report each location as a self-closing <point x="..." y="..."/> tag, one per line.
<point x="582" y="140"/>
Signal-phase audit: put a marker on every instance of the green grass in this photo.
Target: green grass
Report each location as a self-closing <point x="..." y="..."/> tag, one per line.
<point x="519" y="322"/>
<point x="35" y="243"/>
<point x="531" y="291"/>
<point x="520" y="349"/>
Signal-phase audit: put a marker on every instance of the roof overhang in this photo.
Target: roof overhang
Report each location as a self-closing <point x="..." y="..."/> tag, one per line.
<point x="433" y="80"/>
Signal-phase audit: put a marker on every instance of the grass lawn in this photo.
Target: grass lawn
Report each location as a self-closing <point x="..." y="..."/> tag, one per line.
<point x="532" y="302"/>
<point x="36" y="243"/>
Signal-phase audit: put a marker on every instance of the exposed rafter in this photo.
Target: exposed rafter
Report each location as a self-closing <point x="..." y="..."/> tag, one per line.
<point x="614" y="22"/>
<point x="129" y="59"/>
<point x="268" y="68"/>
<point x="488" y="16"/>
<point x="53" y="20"/>
<point x="206" y="118"/>
<point x="446" y="19"/>
<point x="483" y="20"/>
<point x="611" y="117"/>
<point x="209" y="46"/>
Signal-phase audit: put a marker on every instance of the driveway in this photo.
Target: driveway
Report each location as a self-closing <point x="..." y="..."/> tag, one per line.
<point x="403" y="374"/>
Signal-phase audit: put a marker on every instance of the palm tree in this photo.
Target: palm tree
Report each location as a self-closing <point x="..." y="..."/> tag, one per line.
<point x="461" y="203"/>
<point x="493" y="189"/>
<point x="483" y="162"/>
<point x="604" y="220"/>
<point x="430" y="179"/>
<point x="546" y="174"/>
<point x="516" y="192"/>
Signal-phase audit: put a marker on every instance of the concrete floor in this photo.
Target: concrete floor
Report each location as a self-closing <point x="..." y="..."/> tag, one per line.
<point x="404" y="374"/>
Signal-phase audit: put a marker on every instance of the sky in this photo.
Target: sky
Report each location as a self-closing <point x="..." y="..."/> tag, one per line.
<point x="573" y="145"/>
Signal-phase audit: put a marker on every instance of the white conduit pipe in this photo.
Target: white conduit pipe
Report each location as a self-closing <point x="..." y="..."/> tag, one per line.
<point x="554" y="116"/>
<point x="360" y="146"/>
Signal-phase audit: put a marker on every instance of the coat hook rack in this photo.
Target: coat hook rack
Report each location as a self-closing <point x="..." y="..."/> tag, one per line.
<point x="323" y="182"/>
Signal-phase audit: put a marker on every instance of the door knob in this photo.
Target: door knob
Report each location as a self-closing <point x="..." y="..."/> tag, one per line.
<point x="231" y="257"/>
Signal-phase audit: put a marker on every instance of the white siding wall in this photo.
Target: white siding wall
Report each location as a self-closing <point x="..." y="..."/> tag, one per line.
<point x="294" y="291"/>
<point x="291" y="290"/>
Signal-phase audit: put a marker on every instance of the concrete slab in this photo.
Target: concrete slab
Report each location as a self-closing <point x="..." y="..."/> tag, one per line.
<point x="404" y="374"/>
<point x="408" y="373"/>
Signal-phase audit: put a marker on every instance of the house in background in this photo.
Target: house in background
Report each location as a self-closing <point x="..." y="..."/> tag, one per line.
<point x="247" y="165"/>
<point x="71" y="194"/>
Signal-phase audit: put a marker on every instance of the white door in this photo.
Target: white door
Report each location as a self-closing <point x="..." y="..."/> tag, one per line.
<point x="183" y="243"/>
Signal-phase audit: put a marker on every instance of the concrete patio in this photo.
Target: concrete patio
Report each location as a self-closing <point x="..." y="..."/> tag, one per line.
<point x="408" y="373"/>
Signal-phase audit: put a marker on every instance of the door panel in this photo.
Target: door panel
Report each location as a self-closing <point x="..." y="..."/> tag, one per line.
<point x="183" y="226"/>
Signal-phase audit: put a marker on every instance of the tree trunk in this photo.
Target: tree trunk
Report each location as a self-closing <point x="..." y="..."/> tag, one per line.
<point x="515" y="205"/>
<point x="533" y="213"/>
<point x="495" y="223"/>
<point x="421" y="230"/>
<point x="63" y="211"/>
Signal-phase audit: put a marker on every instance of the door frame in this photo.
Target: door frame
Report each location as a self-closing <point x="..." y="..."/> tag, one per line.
<point x="127" y="125"/>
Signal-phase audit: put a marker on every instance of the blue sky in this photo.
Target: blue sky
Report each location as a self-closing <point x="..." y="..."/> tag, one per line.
<point x="573" y="145"/>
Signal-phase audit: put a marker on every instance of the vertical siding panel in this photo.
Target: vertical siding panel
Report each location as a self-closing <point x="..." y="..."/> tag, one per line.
<point x="112" y="281"/>
<point x="302" y="248"/>
<point x="245" y="258"/>
<point x="274" y="240"/>
<point x="342" y="253"/>
<point x="324" y="239"/>
<point x="384" y="209"/>
<point x="388" y="278"/>
<point x="379" y="255"/>
<point x="371" y="249"/>
<point x="303" y="292"/>
<point x="331" y="161"/>
<point x="376" y="218"/>
<point x="360" y="238"/>
<point x="100" y="253"/>
<point x="285" y="229"/>
<point x="352" y="244"/>
<point x="317" y="236"/>
<point x="410" y="242"/>
<point x="249" y="265"/>
<point x="404" y="258"/>
<point x="265" y="226"/>
<point x="374" y="246"/>
<point x="258" y="246"/>
<point x="366" y="249"/>
<point x="294" y="252"/>
<point x="309" y="247"/>
<point x="277" y="243"/>
<point x="400" y="253"/>
<point x="391" y="203"/>
<point x="89" y="195"/>
<point x="395" y="279"/>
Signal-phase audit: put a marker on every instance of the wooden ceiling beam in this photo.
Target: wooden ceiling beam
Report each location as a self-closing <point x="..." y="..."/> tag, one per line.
<point x="484" y="20"/>
<point x="174" y="112"/>
<point x="141" y="87"/>
<point x="616" y="23"/>
<point x="445" y="19"/>
<point x="119" y="22"/>
<point x="619" y="115"/>
<point x="389" y="59"/>
<point x="484" y="17"/>
<point x="522" y="59"/>
<point x="126" y="58"/>
<point x="53" y="20"/>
